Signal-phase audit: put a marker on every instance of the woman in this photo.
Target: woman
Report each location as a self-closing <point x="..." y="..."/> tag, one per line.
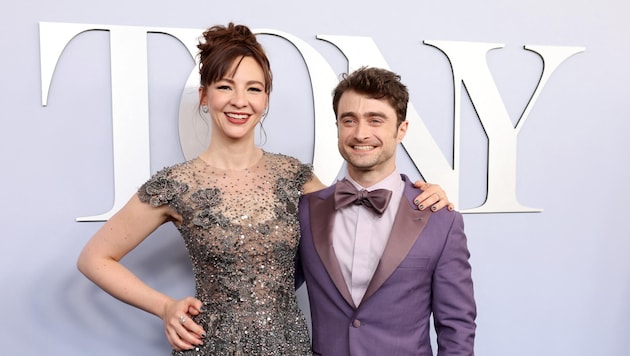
<point x="235" y="207"/>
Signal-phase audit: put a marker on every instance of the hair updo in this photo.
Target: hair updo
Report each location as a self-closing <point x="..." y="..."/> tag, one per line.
<point x="219" y="46"/>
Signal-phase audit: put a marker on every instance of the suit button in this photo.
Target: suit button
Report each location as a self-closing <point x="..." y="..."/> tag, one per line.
<point x="356" y="323"/>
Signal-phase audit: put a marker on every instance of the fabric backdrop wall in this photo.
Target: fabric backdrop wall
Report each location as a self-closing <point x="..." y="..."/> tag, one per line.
<point x="553" y="282"/>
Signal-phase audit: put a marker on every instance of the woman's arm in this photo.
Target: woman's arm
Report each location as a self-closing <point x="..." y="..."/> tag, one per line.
<point x="313" y="185"/>
<point x="100" y="262"/>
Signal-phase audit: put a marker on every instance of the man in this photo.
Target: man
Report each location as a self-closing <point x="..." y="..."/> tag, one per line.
<point x="377" y="268"/>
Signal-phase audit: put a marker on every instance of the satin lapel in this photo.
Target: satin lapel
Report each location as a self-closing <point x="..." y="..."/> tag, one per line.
<point x="408" y="224"/>
<point x="322" y="220"/>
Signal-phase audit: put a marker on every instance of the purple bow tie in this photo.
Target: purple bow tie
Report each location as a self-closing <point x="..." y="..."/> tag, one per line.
<point x="346" y="194"/>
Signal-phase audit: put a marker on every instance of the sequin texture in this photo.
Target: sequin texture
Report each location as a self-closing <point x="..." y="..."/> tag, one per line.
<point x="242" y="233"/>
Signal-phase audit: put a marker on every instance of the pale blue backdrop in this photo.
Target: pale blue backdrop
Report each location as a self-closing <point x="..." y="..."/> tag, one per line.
<point x="550" y="283"/>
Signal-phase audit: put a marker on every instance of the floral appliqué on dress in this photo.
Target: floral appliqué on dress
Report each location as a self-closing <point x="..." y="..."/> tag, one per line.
<point x="242" y="233"/>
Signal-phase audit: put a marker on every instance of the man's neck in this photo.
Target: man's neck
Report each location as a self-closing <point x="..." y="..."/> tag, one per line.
<point x="368" y="178"/>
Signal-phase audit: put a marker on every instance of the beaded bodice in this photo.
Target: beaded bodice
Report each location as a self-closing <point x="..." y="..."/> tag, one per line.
<point x="242" y="233"/>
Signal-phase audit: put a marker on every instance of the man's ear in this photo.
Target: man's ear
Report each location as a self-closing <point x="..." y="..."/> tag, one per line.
<point x="402" y="130"/>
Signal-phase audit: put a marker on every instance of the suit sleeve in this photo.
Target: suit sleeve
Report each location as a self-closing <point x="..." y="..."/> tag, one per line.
<point x="299" y="271"/>
<point x="453" y="302"/>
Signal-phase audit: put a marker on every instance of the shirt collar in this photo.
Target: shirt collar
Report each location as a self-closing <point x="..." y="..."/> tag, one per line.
<point x="391" y="182"/>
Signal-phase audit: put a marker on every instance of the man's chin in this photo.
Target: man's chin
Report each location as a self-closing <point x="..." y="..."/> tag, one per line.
<point x="361" y="165"/>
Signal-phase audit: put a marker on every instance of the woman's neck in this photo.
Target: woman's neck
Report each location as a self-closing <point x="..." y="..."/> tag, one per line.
<point x="231" y="157"/>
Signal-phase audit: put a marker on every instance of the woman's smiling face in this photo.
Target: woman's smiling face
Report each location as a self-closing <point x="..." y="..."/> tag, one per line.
<point x="238" y="101"/>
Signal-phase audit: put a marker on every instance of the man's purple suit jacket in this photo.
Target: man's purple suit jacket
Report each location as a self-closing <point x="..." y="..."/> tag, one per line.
<point x="424" y="269"/>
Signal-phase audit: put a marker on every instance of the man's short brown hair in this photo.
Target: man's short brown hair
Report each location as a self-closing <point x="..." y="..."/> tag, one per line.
<point x="376" y="83"/>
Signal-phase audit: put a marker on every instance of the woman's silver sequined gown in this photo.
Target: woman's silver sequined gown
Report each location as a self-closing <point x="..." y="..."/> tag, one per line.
<point x="242" y="234"/>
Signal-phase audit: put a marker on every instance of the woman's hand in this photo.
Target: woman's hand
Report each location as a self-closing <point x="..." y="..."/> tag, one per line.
<point x="432" y="195"/>
<point x="181" y="331"/>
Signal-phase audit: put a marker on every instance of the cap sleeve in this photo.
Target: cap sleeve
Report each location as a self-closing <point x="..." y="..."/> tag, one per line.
<point x="161" y="189"/>
<point x="303" y="174"/>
